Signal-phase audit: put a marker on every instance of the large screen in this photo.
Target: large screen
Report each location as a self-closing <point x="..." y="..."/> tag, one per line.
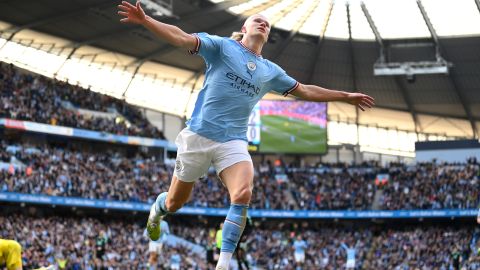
<point x="288" y="127"/>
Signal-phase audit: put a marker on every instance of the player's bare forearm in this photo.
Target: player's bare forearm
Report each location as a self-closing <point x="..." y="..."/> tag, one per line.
<point x="170" y="33"/>
<point x="134" y="14"/>
<point x="319" y="94"/>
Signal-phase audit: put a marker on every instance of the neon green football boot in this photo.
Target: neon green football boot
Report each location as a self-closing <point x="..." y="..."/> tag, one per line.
<point x="153" y="224"/>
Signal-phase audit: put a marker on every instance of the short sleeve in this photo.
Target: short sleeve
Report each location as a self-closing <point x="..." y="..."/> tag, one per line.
<point x="281" y="82"/>
<point x="207" y="45"/>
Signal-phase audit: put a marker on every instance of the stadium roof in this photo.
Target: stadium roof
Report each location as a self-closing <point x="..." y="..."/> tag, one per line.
<point x="331" y="43"/>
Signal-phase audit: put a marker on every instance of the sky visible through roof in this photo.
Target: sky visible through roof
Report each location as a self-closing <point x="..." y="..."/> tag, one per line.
<point x="394" y="18"/>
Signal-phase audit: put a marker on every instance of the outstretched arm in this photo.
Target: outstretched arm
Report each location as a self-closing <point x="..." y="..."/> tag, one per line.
<point x="170" y="33"/>
<point x="319" y="94"/>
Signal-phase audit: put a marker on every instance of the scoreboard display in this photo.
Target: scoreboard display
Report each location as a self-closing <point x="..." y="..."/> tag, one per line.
<point x="296" y="127"/>
<point x="253" y="131"/>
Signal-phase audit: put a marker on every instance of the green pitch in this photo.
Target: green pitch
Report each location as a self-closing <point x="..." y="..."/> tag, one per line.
<point x="281" y="134"/>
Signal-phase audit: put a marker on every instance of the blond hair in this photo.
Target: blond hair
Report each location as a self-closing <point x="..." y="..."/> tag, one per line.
<point x="237" y="36"/>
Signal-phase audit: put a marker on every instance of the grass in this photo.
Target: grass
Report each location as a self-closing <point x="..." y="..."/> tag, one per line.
<point x="280" y="134"/>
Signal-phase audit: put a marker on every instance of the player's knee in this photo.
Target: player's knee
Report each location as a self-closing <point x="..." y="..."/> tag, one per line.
<point x="173" y="204"/>
<point x="242" y="195"/>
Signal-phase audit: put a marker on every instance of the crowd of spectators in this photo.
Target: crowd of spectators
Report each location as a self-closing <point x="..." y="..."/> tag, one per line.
<point x="111" y="176"/>
<point x="333" y="188"/>
<point x="432" y="186"/>
<point x="90" y="243"/>
<point x="27" y="96"/>
<point x="420" y="186"/>
<point x="85" y="243"/>
<point x="62" y="172"/>
<point x="432" y="248"/>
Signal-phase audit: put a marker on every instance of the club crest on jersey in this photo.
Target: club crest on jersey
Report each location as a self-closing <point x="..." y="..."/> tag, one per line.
<point x="251" y="66"/>
<point x="179" y="166"/>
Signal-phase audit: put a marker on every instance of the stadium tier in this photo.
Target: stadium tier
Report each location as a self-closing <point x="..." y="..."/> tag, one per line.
<point x="29" y="96"/>
<point x="64" y="172"/>
<point x="240" y="134"/>
<point x="96" y="243"/>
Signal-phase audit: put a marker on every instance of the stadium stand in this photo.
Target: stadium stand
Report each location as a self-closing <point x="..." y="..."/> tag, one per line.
<point x="27" y="96"/>
<point x="111" y="176"/>
<point x="104" y="243"/>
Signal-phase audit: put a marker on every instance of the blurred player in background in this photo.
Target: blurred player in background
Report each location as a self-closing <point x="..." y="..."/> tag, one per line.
<point x="351" y="251"/>
<point x="243" y="246"/>
<point x="155" y="247"/>
<point x="175" y="259"/>
<point x="299" y="246"/>
<point x="236" y="78"/>
<point x="211" y="249"/>
<point x="10" y="254"/>
<point x="218" y="242"/>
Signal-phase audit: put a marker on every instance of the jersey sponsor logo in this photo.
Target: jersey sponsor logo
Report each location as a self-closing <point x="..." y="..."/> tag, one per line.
<point x="243" y="85"/>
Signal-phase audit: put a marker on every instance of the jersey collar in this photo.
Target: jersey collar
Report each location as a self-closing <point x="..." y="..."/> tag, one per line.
<point x="248" y="49"/>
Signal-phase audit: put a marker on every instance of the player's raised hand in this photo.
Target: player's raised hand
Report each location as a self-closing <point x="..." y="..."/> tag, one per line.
<point x="360" y="100"/>
<point x="131" y="13"/>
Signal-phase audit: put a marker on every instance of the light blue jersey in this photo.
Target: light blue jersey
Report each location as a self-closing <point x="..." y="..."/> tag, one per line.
<point x="235" y="80"/>
<point x="175" y="259"/>
<point x="350" y="252"/>
<point x="299" y="246"/>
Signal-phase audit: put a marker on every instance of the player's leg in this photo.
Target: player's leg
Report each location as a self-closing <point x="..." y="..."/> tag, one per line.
<point x="241" y="258"/>
<point x="296" y="257"/>
<point x="238" y="179"/>
<point x="192" y="162"/>
<point x="168" y="202"/>
<point x="239" y="262"/>
<point x="160" y="247"/>
<point x="302" y="259"/>
<point x="152" y="257"/>
<point x="178" y="194"/>
<point x="350" y="264"/>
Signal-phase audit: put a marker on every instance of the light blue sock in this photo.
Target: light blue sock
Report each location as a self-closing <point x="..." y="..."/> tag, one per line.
<point x="160" y="206"/>
<point x="233" y="227"/>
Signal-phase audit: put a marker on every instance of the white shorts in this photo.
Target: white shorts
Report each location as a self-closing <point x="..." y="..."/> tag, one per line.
<point x="196" y="153"/>
<point x="175" y="266"/>
<point x="155" y="247"/>
<point x="350" y="264"/>
<point x="299" y="257"/>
